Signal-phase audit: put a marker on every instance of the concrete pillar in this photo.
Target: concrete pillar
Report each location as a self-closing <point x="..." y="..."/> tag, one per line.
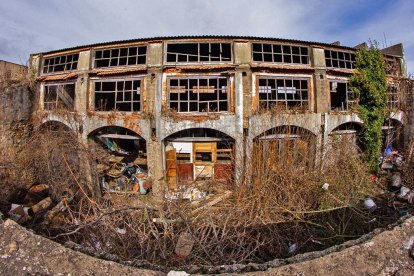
<point x="239" y="145"/>
<point x="34" y="66"/>
<point x="82" y="83"/>
<point x="320" y="91"/>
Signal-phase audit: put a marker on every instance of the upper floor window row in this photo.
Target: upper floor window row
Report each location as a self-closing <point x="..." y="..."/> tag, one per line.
<point x="338" y="59"/>
<point x="278" y="53"/>
<point x="126" y="56"/>
<point x="198" y="52"/>
<point x="60" y="63"/>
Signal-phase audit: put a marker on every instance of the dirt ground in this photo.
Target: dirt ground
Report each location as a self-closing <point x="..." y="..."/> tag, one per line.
<point x="25" y="253"/>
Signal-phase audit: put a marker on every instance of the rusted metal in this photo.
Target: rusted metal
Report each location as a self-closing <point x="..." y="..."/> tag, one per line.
<point x="110" y="72"/>
<point x="59" y="77"/>
<point x="203" y="67"/>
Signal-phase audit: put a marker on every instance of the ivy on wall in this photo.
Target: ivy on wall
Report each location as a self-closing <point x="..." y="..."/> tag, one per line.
<point x="369" y="83"/>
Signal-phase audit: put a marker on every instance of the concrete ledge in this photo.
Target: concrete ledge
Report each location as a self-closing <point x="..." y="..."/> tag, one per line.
<point x="382" y="252"/>
<point x="25" y="253"/>
<point x="387" y="253"/>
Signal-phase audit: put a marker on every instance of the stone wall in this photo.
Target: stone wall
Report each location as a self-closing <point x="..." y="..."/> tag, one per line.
<point x="16" y="108"/>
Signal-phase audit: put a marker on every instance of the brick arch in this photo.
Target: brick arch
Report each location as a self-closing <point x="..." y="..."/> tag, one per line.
<point x="194" y="128"/>
<point x="56" y="124"/>
<point x="294" y="128"/>
<point x="68" y="121"/>
<point x="350" y="125"/>
<point x="92" y="125"/>
<point x="123" y="128"/>
<point x="344" y="120"/>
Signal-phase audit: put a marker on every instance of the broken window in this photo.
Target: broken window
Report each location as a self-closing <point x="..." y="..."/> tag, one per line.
<point x="121" y="56"/>
<point x="283" y="93"/>
<point x="119" y="95"/>
<point x="339" y="59"/>
<point x="342" y="98"/>
<point x="60" y="63"/>
<point x="278" y="53"/>
<point x="198" y="52"/>
<point x="203" y="94"/>
<point x="392" y="97"/>
<point x="59" y="96"/>
<point x="392" y="66"/>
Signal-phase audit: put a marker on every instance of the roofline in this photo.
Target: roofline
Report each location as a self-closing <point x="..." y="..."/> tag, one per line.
<point x="197" y="37"/>
<point x="13" y="63"/>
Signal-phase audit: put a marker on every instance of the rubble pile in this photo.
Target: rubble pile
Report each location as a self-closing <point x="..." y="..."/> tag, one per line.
<point x="398" y="197"/>
<point x="123" y="177"/>
<point x="38" y="203"/>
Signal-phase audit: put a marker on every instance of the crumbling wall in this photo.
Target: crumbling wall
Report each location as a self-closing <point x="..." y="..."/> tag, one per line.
<point x="409" y="127"/>
<point x="16" y="108"/>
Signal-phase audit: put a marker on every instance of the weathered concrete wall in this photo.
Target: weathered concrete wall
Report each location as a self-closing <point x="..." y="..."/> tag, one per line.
<point x="11" y="71"/>
<point x="16" y="108"/>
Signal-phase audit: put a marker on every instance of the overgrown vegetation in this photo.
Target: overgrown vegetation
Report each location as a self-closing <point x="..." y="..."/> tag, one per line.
<point x="276" y="210"/>
<point x="369" y="83"/>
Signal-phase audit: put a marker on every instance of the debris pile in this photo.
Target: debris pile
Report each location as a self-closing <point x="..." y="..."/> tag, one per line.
<point x="125" y="178"/>
<point x="37" y="203"/>
<point x="399" y="197"/>
<point x="390" y="160"/>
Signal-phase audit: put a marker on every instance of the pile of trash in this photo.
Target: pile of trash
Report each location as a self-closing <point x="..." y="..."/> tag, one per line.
<point x="126" y="178"/>
<point x="38" y="203"/>
<point x="390" y="160"/>
<point x="185" y="192"/>
<point x="399" y="197"/>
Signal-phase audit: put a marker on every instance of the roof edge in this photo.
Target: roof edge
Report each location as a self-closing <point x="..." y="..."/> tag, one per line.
<point x="197" y="37"/>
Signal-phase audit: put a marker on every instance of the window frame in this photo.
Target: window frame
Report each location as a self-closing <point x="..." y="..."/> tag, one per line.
<point x="45" y="86"/>
<point x="72" y="62"/>
<point x="273" y="103"/>
<point x="273" y="53"/>
<point x="351" y="60"/>
<point x="347" y="95"/>
<point x="115" y="92"/>
<point x="189" y="90"/>
<point x="393" y="96"/>
<point x="119" y="57"/>
<point x="221" y="61"/>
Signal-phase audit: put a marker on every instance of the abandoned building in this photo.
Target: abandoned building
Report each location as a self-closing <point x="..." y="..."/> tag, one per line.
<point x="191" y="107"/>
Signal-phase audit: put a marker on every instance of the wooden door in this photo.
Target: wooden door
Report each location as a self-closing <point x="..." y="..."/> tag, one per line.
<point x="171" y="172"/>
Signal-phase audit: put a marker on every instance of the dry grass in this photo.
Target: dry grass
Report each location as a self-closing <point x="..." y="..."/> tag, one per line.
<point x="273" y="205"/>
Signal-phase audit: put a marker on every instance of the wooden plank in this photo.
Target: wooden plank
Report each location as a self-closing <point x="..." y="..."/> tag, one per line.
<point x="185" y="173"/>
<point x="171" y="173"/>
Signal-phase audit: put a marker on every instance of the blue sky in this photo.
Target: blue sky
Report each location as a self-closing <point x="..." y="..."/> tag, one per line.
<point x="30" y="26"/>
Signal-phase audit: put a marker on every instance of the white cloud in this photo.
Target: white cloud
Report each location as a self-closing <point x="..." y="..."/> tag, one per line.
<point x="28" y="26"/>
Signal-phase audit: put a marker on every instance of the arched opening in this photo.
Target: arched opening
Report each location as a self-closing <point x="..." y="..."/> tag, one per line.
<point x="345" y="135"/>
<point x="392" y="134"/>
<point x="198" y="154"/>
<point x="55" y="126"/>
<point x="121" y="159"/>
<point x="285" y="146"/>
